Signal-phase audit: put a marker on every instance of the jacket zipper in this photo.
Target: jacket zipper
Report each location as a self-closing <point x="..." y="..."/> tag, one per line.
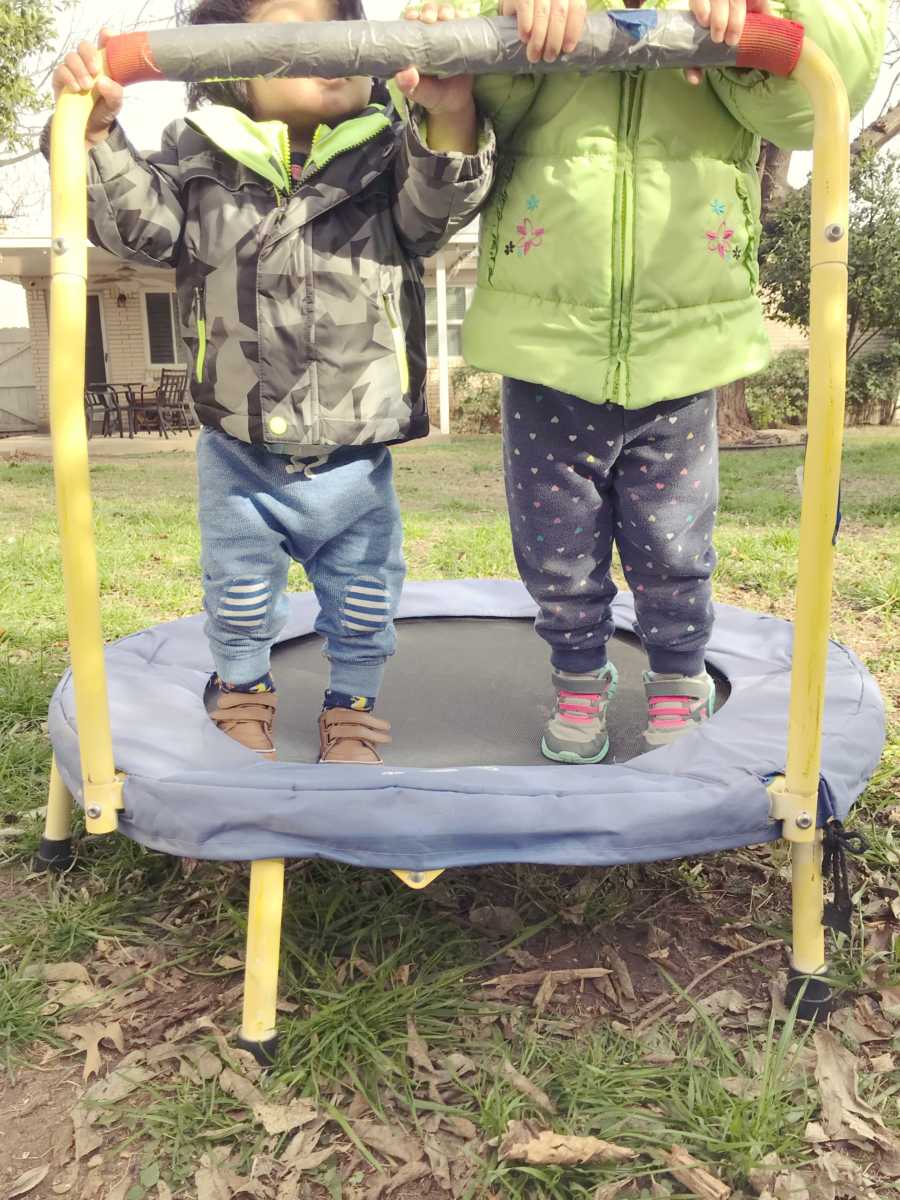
<point x="399" y="340"/>
<point x="310" y="168"/>
<point x="200" y="321"/>
<point x="629" y="122"/>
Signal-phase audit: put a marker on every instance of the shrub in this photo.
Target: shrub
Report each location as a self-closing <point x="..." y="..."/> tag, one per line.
<point x="873" y="387"/>
<point x="476" y="401"/>
<point x="777" y="395"/>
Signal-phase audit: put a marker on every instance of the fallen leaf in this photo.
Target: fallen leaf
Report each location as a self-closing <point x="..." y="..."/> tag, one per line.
<point x="386" y="1141"/>
<point x="386" y="1185"/>
<point x="622" y="978"/>
<point x="228" y="962"/>
<point x="521" y="957"/>
<point x="416" y="1050"/>
<point x="814" y="1133"/>
<point x="742" y="1086"/>
<point x="522" y="1144"/>
<point x="610" y="1191"/>
<point x="844" y="1115"/>
<point x="560" y="977"/>
<point x="791" y="1186"/>
<point x="164" y="1191"/>
<point x="834" y="1176"/>
<point x="545" y="992"/>
<point x="715" y="1005"/>
<point x="890" y="1002"/>
<point x="88" y="1038"/>
<point x="459" y="1064"/>
<point x="118" y="1084"/>
<point x="524" y="1085"/>
<point x="282" y="1118"/>
<point x="86" y="1139"/>
<point x="65" y="972"/>
<point x="301" y="1153"/>
<point x="25" y="1183"/>
<point x="694" y="1175"/>
<point x="495" y="918"/>
<point x="242" y="1089"/>
<point x="460" y="1127"/>
<point x="65" y="1180"/>
<point x="214" y="1179"/>
<point x="882" y="1064"/>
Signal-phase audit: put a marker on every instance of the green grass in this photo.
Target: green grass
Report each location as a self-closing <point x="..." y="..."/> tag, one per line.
<point x="362" y="956"/>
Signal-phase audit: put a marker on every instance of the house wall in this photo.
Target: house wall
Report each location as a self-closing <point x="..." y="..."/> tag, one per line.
<point x="124" y="335"/>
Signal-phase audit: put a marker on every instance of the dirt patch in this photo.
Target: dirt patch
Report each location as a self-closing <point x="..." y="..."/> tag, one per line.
<point x="33" y="1104"/>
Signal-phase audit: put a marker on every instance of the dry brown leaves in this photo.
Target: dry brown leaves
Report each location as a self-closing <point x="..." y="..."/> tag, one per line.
<point x="523" y="1142"/>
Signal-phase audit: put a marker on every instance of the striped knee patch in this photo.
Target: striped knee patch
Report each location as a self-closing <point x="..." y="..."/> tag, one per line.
<point x="244" y="605"/>
<point x="366" y="605"/>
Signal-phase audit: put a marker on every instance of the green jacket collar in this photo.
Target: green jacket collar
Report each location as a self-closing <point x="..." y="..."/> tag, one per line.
<point x="264" y="146"/>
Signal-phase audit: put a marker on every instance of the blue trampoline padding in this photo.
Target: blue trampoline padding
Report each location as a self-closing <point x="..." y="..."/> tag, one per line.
<point x="190" y="790"/>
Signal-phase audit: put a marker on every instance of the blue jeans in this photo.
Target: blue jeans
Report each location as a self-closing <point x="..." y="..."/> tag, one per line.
<point x="341" y="521"/>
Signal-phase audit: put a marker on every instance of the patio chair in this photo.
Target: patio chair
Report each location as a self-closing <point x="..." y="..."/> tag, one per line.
<point x="166" y="403"/>
<point x="101" y="399"/>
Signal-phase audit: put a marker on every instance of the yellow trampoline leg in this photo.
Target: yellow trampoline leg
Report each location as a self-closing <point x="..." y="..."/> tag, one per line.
<point x="795" y="797"/>
<point x="258" y="1032"/>
<point x="55" y="852"/>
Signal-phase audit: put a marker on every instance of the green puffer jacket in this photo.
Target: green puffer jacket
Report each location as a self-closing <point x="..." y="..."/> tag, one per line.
<point x="619" y="248"/>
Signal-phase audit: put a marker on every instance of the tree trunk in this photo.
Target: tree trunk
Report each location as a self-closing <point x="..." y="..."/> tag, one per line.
<point x="734" y="419"/>
<point x="773" y="167"/>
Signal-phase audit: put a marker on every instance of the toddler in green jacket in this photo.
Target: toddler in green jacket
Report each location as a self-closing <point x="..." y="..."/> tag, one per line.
<point x="617" y="289"/>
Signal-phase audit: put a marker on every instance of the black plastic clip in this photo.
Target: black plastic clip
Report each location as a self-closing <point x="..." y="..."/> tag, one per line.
<point x="837" y="843"/>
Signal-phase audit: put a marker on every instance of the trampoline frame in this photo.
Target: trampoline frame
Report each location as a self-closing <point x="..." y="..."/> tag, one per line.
<point x="794" y="797"/>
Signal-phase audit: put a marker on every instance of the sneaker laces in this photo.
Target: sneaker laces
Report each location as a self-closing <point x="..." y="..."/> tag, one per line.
<point x="581" y="708"/>
<point x="673" y="712"/>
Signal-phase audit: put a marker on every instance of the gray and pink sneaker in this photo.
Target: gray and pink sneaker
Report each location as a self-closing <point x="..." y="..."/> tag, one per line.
<point x="576" y="732"/>
<point x="676" y="704"/>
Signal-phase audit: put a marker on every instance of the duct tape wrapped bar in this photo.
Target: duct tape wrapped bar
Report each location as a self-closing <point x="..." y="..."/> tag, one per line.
<point x="612" y="41"/>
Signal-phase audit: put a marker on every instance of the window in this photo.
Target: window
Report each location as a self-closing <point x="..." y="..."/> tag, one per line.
<point x="164" y="344"/>
<point x="457" y="303"/>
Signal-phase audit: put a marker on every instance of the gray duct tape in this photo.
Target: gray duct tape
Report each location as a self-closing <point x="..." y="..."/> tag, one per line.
<point x="620" y="41"/>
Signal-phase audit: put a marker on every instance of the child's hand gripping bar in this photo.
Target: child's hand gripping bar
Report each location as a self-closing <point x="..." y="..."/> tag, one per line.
<point x="616" y="41"/>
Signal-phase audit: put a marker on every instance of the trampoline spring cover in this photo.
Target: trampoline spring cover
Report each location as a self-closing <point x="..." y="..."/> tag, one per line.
<point x="192" y="791"/>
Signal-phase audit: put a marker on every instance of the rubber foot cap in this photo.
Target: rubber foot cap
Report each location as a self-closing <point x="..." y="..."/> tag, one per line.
<point x="817" y="999"/>
<point x="264" y="1052"/>
<point x="53" y="855"/>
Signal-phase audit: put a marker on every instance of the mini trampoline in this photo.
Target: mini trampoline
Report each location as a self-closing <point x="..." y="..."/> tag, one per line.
<point x="465" y="783"/>
<point x="799" y="726"/>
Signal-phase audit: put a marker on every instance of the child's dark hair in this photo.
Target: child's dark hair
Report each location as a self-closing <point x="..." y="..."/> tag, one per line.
<point x="235" y="12"/>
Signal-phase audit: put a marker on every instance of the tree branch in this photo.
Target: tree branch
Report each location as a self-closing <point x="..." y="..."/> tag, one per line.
<point x="878" y="133"/>
<point x="19" y="158"/>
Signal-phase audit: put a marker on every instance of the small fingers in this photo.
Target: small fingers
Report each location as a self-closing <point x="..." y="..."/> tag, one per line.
<point x="540" y="22"/>
<point x="556" y="30"/>
<point x="718" y="19"/>
<point x="694" y="75"/>
<point x="574" y="25"/>
<point x="737" y="18"/>
<point x="407" y="80"/>
<point x="524" y="11"/>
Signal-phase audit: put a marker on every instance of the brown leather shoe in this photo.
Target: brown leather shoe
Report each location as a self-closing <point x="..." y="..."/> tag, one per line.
<point x="348" y="736"/>
<point x="247" y="717"/>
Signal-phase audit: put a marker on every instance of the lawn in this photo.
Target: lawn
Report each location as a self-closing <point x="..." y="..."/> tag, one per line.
<point x="411" y="1063"/>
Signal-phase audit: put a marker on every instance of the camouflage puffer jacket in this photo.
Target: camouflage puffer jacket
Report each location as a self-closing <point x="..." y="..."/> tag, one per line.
<point x="302" y="305"/>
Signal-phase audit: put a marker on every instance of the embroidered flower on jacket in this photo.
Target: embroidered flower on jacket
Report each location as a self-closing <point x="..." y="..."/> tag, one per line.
<point x="509" y="248"/>
<point x="718" y="208"/>
<point x="530" y="235"/>
<point x="532" y="203"/>
<point x="737" y="253"/>
<point x="718" y="242"/>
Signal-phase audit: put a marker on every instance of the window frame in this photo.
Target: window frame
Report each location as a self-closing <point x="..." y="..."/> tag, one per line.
<point x="174" y="325"/>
